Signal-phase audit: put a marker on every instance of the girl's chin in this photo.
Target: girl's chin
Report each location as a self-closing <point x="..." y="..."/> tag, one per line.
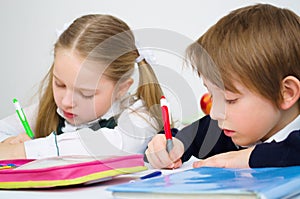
<point x="73" y="122"/>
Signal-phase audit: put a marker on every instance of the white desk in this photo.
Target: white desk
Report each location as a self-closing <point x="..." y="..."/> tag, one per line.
<point x="96" y="191"/>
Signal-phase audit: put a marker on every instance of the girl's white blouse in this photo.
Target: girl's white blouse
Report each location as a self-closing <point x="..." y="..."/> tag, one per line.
<point x="134" y="130"/>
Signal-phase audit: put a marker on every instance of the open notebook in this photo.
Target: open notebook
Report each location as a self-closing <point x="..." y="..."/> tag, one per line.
<point x="66" y="170"/>
<point x="209" y="182"/>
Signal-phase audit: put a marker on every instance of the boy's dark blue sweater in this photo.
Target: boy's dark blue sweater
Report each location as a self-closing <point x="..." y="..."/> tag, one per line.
<point x="203" y="139"/>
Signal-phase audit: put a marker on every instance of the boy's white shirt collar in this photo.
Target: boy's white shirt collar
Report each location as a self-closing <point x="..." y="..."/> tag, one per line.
<point x="284" y="133"/>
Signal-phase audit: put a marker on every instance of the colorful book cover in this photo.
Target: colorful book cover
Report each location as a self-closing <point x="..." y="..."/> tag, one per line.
<point x="208" y="182"/>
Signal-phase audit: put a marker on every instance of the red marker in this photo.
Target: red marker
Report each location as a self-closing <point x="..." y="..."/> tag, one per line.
<point x="167" y="118"/>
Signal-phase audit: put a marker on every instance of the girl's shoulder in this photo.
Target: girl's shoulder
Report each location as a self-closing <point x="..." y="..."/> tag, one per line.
<point x="132" y="103"/>
<point x="137" y="112"/>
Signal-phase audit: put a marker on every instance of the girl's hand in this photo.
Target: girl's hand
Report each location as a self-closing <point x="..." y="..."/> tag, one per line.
<point x="12" y="151"/>
<point x="158" y="156"/>
<point x="233" y="159"/>
<point x="22" y="137"/>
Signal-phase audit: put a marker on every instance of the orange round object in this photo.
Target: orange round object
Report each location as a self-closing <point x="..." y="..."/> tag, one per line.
<point x="206" y="103"/>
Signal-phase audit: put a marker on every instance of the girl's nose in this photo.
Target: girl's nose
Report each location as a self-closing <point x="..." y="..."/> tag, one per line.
<point x="68" y="99"/>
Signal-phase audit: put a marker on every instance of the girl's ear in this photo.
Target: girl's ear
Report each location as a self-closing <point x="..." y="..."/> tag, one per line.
<point x="290" y="92"/>
<point x="124" y="87"/>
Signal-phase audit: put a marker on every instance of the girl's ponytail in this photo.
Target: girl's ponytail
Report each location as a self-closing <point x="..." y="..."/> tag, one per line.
<point x="149" y="90"/>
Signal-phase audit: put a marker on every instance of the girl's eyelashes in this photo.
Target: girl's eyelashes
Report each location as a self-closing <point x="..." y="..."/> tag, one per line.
<point x="58" y="84"/>
<point x="87" y="96"/>
<point x="83" y="94"/>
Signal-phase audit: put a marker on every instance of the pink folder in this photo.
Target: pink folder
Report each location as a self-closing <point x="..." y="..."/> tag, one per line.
<point x="66" y="170"/>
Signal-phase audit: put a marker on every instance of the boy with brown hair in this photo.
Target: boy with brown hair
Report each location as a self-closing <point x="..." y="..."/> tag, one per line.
<point x="250" y="63"/>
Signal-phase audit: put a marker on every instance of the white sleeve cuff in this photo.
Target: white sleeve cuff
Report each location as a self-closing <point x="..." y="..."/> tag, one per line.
<point x="55" y="145"/>
<point x="41" y="147"/>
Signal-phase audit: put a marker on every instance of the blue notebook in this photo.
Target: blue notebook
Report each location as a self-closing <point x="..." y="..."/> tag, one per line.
<point x="208" y="182"/>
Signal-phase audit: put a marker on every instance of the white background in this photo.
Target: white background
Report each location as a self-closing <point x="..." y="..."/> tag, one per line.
<point x="28" y="32"/>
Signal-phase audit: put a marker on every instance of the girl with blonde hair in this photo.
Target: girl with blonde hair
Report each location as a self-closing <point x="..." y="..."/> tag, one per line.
<point x="86" y="92"/>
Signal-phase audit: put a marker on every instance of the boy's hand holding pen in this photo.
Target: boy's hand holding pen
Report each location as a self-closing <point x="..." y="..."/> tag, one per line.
<point x="169" y="158"/>
<point x="158" y="156"/>
<point x="165" y="151"/>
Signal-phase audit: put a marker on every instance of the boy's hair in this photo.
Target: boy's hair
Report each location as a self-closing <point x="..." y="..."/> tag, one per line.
<point x="106" y="40"/>
<point x="258" y="46"/>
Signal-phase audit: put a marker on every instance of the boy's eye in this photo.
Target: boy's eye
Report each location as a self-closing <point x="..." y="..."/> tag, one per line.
<point x="231" y="101"/>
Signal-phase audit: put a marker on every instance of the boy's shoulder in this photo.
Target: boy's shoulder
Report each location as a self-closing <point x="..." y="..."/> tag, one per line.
<point x="295" y="134"/>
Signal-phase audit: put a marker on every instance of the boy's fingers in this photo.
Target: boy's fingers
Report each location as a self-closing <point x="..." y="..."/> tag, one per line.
<point x="177" y="151"/>
<point x="198" y="164"/>
<point x="156" y="153"/>
<point x="158" y="156"/>
<point x="158" y="159"/>
<point x="177" y="164"/>
<point x="171" y="166"/>
<point x="210" y="162"/>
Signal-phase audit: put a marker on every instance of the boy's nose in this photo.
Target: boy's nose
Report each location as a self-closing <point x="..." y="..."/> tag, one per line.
<point x="217" y="111"/>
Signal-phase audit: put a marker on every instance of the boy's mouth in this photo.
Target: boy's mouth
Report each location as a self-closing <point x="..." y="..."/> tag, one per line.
<point x="228" y="133"/>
